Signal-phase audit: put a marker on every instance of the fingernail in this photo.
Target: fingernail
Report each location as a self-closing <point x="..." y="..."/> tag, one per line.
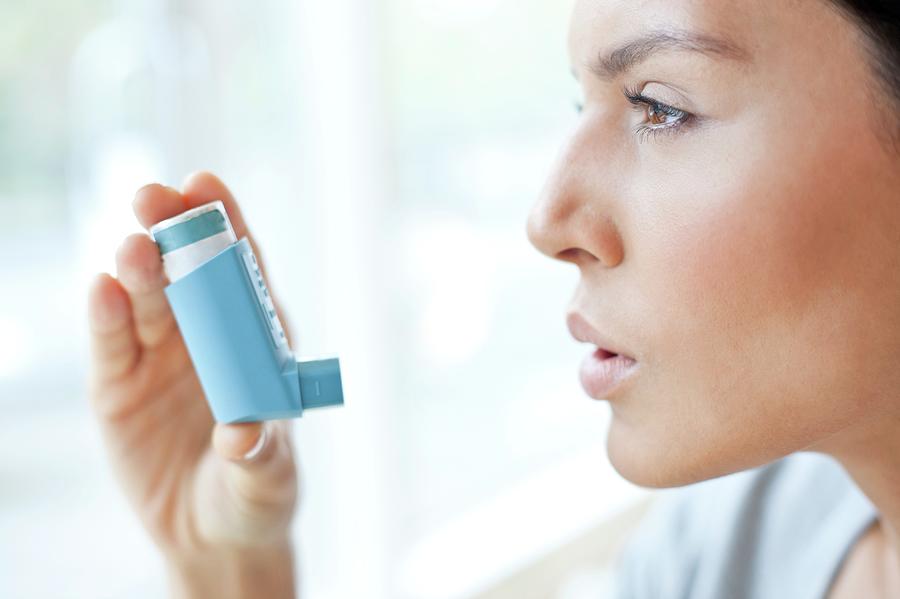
<point x="260" y="443"/>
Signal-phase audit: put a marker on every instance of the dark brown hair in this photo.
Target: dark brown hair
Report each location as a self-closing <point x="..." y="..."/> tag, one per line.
<point x="879" y="21"/>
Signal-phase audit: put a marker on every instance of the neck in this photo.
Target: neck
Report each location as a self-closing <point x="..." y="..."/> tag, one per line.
<point x="870" y="453"/>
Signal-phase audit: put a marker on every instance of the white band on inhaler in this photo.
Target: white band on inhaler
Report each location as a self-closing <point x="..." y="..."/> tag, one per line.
<point x="230" y="327"/>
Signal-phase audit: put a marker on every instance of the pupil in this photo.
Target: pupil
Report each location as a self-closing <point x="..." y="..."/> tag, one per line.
<point x="657" y="117"/>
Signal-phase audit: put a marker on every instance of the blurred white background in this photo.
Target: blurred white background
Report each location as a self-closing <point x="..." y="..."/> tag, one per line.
<point x="386" y="154"/>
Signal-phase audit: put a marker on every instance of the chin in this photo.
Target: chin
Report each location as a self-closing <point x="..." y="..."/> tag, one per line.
<point x="672" y="456"/>
<point x="657" y="462"/>
<point x="636" y="460"/>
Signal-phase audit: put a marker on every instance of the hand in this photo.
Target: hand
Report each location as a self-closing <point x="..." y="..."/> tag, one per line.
<point x="217" y="499"/>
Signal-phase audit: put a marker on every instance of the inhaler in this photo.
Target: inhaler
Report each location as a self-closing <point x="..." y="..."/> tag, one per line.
<point x="230" y="327"/>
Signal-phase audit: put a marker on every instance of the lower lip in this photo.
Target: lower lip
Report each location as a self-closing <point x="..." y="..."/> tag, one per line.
<point x="601" y="374"/>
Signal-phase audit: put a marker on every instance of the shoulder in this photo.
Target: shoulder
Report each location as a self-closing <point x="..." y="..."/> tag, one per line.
<point x="733" y="535"/>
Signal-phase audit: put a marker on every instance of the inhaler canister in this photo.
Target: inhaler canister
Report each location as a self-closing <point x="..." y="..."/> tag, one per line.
<point x="230" y="326"/>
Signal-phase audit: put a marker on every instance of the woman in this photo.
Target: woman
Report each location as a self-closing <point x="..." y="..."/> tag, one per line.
<point x="731" y="198"/>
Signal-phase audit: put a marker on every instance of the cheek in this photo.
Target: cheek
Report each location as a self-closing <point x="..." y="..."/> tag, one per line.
<point x="768" y="328"/>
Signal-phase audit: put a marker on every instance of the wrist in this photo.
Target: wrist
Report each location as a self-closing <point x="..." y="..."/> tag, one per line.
<point x="233" y="573"/>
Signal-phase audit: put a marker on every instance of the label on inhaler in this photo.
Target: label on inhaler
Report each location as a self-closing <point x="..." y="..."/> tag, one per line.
<point x="265" y="301"/>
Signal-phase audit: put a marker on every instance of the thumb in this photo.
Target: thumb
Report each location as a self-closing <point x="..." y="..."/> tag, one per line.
<point x="241" y="442"/>
<point x="253" y="482"/>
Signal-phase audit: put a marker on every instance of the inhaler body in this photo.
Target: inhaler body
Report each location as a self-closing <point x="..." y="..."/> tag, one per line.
<point x="232" y="332"/>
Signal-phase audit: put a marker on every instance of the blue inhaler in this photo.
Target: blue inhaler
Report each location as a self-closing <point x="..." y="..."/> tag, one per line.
<point x="230" y="327"/>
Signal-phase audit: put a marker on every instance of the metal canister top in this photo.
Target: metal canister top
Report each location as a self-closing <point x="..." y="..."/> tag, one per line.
<point x="191" y="238"/>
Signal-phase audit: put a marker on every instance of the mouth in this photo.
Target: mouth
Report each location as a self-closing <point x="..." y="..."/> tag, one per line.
<point x="605" y="369"/>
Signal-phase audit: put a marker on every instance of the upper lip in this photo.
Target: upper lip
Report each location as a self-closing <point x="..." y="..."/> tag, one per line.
<point x="584" y="332"/>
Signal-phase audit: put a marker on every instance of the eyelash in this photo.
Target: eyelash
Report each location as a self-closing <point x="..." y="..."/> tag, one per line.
<point x="641" y="103"/>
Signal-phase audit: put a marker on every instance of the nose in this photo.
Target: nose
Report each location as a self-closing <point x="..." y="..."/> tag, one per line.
<point x="572" y="219"/>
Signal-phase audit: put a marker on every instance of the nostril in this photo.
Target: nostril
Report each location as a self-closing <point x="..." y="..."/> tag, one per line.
<point x="575" y="256"/>
<point x="567" y="255"/>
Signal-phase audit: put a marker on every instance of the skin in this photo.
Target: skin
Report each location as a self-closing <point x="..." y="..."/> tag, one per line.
<point x="749" y="259"/>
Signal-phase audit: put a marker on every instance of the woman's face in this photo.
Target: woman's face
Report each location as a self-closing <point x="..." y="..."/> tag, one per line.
<point x="744" y="247"/>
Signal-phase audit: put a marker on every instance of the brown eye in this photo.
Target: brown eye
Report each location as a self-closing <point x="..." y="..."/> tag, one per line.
<point x="655" y="116"/>
<point x="662" y="115"/>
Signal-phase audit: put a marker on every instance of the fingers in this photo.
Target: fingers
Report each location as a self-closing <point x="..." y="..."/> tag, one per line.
<point x="140" y="272"/>
<point x="114" y="344"/>
<point x="153" y="203"/>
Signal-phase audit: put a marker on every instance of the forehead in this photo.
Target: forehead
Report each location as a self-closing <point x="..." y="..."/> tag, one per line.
<point x="802" y="37"/>
<point x="599" y="24"/>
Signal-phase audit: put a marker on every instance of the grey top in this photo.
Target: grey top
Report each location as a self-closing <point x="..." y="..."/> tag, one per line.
<point x="778" y="531"/>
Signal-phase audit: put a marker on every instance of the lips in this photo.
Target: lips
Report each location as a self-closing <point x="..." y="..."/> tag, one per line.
<point x="603" y="378"/>
<point x="604" y="371"/>
<point x="582" y="331"/>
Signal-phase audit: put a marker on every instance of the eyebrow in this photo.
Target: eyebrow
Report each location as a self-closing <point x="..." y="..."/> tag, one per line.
<point x="632" y="52"/>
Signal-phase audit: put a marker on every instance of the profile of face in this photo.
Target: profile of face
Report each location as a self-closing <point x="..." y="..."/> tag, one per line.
<point x="731" y="198"/>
